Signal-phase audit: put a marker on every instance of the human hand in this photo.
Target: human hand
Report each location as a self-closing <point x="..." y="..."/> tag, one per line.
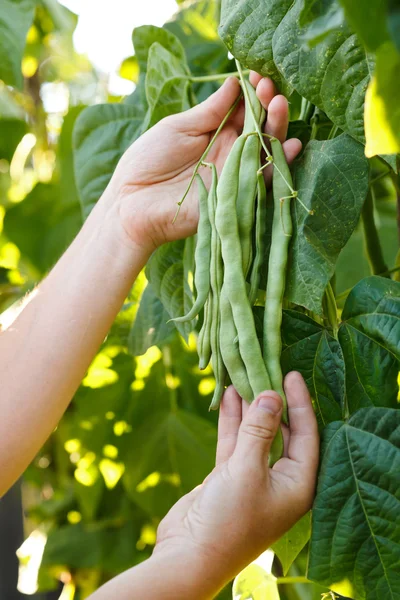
<point x="244" y="506"/>
<point x="153" y="174"/>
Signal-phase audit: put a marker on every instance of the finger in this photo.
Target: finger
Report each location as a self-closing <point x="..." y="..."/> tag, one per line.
<point x="258" y="428"/>
<point x="230" y="417"/>
<point x="245" y="408"/>
<point x="208" y="115"/>
<point x="266" y="91"/>
<point x="304" y="439"/>
<point x="292" y="149"/>
<point x="254" y="78"/>
<point x="237" y="120"/>
<point x="278" y="118"/>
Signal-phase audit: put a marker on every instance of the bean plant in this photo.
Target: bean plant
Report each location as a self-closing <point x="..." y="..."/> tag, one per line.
<point x="304" y="277"/>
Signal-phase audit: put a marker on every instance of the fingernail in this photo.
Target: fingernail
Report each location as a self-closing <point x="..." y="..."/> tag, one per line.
<point x="271" y="404"/>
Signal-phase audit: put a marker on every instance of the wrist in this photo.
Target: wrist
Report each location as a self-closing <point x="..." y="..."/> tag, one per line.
<point x="108" y="224"/>
<point x="194" y="572"/>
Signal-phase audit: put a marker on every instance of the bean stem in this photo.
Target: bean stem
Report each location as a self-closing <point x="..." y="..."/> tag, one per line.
<point x="206" y="151"/>
<point x="216" y="77"/>
<point x="371" y="238"/>
<point x="287" y="580"/>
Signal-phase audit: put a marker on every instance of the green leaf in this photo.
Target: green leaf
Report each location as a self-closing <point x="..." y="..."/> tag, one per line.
<point x="382" y="111"/>
<point x="166" y="274"/>
<point x="355" y="526"/>
<point x="291" y="544"/>
<point x="12" y="131"/>
<point x="52" y="227"/>
<point x="322" y="17"/>
<point x="109" y="129"/>
<point x="332" y="180"/>
<point x="247" y="28"/>
<point x="151" y="326"/>
<point x="167" y="84"/>
<point x="16" y="17"/>
<point x="370" y="339"/>
<point x="162" y="456"/>
<point x="394" y="22"/>
<point x="144" y="37"/>
<point x="310" y="349"/>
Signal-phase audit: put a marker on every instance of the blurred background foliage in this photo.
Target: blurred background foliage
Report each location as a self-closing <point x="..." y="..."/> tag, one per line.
<point x="138" y="433"/>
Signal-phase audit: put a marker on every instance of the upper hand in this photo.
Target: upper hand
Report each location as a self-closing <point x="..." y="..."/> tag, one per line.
<point x="153" y="174"/>
<point x="244" y="506"/>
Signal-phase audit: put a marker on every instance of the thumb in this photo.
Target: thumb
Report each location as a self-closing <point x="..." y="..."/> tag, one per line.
<point x="208" y="115"/>
<point x="259" y="428"/>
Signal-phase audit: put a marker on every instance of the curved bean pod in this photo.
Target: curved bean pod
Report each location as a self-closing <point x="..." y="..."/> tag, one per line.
<point x="261" y="228"/>
<point x="216" y="285"/>
<point x="230" y="351"/>
<point x="282" y="228"/>
<point x="202" y="256"/>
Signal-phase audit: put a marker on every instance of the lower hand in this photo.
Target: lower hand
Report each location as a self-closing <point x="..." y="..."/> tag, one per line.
<point x="154" y="173"/>
<point x="244" y="506"/>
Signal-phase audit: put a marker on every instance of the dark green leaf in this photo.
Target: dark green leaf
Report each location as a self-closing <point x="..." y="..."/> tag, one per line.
<point x="322" y="17"/>
<point x="247" y="29"/>
<point x="166" y="447"/>
<point x="332" y="179"/>
<point x="368" y="20"/>
<point x="151" y="326"/>
<point x="355" y="525"/>
<point x="311" y="350"/>
<point x="166" y="274"/>
<point x="370" y="339"/>
<point x="16" y="17"/>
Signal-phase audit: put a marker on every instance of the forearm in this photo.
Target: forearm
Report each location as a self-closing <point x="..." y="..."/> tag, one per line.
<point x="179" y="576"/>
<point x="46" y="351"/>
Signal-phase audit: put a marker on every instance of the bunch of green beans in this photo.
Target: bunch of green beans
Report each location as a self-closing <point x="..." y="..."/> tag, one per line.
<point x="231" y="253"/>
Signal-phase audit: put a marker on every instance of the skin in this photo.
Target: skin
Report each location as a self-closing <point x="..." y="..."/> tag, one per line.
<point x="46" y="350"/>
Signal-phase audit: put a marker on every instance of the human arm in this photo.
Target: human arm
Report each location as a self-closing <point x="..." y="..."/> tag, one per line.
<point x="242" y="508"/>
<point x="46" y="351"/>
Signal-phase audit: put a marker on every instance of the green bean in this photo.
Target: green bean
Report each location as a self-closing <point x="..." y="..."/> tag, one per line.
<point x="202" y="256"/>
<point x="257" y="109"/>
<point x="248" y="175"/>
<point x="230" y="351"/>
<point x="261" y="228"/>
<point x="246" y="199"/>
<point x="227" y="227"/>
<point x="216" y="285"/>
<point x="204" y="339"/>
<point x="281" y="234"/>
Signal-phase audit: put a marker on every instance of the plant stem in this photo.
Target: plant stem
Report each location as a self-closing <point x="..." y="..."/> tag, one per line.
<point x="333" y="132"/>
<point x="371" y="238"/>
<point x="206" y="151"/>
<point x="216" y="77"/>
<point x="288" y="580"/>
<point x="306" y="111"/>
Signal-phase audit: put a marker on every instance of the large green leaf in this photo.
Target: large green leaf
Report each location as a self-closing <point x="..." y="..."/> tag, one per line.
<point x="355" y="544"/>
<point x="151" y="326"/>
<point x="102" y="133"/>
<point x="166" y="274"/>
<point x="310" y="349"/>
<point x="370" y="339"/>
<point x="369" y="20"/>
<point x="112" y="128"/>
<point x="177" y="450"/>
<point x="268" y="36"/>
<point x="247" y="28"/>
<point x="16" y="17"/>
<point x="167" y="84"/>
<point x="332" y="180"/>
